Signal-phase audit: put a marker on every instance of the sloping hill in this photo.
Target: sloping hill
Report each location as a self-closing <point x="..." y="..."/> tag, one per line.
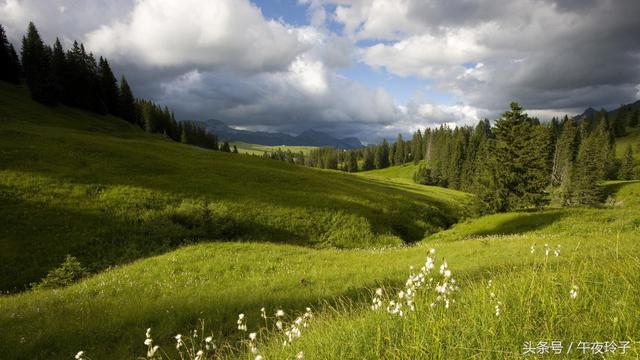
<point x="98" y="188"/>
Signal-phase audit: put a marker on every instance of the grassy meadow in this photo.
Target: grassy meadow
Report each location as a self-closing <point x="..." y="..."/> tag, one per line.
<point x="98" y="188"/>
<point x="256" y="149"/>
<point x="175" y="234"/>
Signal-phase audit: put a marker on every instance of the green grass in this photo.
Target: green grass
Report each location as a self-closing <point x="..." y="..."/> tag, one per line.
<point x="401" y="173"/>
<point x="256" y="149"/>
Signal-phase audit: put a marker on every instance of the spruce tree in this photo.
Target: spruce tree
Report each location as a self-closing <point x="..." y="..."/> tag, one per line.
<point x="352" y="161"/>
<point x="108" y="87"/>
<point x="520" y="162"/>
<point x="417" y="146"/>
<point x="36" y="61"/>
<point x="398" y="157"/>
<point x="235" y="151"/>
<point x="566" y="149"/>
<point x="225" y="147"/>
<point x="59" y="69"/>
<point x="587" y="172"/>
<point x="381" y="159"/>
<point x="634" y="118"/>
<point x="9" y="64"/>
<point x="368" y="162"/>
<point x="626" y="167"/>
<point x="126" y="105"/>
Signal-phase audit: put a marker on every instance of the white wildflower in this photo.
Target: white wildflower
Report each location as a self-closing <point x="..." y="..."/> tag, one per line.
<point x="242" y="323"/>
<point x="574" y="292"/>
<point x="533" y="249"/>
<point x="300" y="356"/>
<point x="80" y="355"/>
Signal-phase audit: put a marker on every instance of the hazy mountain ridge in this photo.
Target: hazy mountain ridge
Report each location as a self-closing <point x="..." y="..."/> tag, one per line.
<point x="307" y="138"/>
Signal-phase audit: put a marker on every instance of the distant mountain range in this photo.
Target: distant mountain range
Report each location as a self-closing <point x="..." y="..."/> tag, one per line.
<point x="591" y="113"/>
<point x="306" y="138"/>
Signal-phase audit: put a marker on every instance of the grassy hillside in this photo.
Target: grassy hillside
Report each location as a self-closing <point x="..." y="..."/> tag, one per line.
<point x="633" y="139"/>
<point x="98" y="188"/>
<point x="107" y="314"/>
<point x="256" y="149"/>
<point x="401" y="173"/>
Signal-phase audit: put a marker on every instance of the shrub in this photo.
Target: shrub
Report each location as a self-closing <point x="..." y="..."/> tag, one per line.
<point x="67" y="273"/>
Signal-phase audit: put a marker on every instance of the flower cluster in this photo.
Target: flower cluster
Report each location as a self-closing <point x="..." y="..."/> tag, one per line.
<point x="497" y="304"/>
<point x="152" y="350"/>
<point x="242" y="323"/>
<point x="405" y="298"/>
<point x="547" y="250"/>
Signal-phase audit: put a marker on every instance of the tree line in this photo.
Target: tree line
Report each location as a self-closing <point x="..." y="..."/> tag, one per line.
<point x="74" y="78"/>
<point x="516" y="163"/>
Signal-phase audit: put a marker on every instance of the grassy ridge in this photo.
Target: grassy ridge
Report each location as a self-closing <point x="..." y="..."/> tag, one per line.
<point x="98" y="188"/>
<point x="400" y="173"/>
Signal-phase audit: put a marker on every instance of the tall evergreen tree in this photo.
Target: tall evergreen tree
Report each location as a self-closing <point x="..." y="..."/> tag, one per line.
<point x="58" y="69"/>
<point x="634" y="118"/>
<point x="126" y="105"/>
<point x="225" y="147"/>
<point x="521" y="160"/>
<point x="108" y="87"/>
<point x="381" y="159"/>
<point x="626" y="167"/>
<point x="398" y="157"/>
<point x="565" y="151"/>
<point x="417" y="146"/>
<point x="352" y="161"/>
<point x="36" y="61"/>
<point x="587" y="172"/>
<point x="9" y="64"/>
<point x="368" y="162"/>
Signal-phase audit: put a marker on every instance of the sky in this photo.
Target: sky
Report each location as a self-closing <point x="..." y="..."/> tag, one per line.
<point x="365" y="68"/>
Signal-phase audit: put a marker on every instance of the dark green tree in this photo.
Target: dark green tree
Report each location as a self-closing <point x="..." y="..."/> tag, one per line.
<point x="225" y="147"/>
<point x="127" y="107"/>
<point x="626" y="167"/>
<point x="108" y="87"/>
<point x="9" y="63"/>
<point x="399" y="155"/>
<point x="368" y="162"/>
<point x="587" y="172"/>
<point x="520" y="162"/>
<point x="36" y="63"/>
<point x="235" y="151"/>
<point x="352" y="161"/>
<point x="381" y="159"/>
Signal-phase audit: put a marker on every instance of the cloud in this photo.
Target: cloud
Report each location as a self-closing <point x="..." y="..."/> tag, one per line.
<point x="545" y="54"/>
<point x="222" y="33"/>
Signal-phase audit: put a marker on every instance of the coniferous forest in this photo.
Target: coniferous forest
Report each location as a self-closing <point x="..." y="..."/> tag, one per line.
<point x="75" y="78"/>
<point x="515" y="163"/>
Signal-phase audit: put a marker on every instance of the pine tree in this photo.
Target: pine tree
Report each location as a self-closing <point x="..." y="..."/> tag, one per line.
<point x="626" y="167"/>
<point x="368" y="162"/>
<point x="126" y="105"/>
<point x="352" y="161"/>
<point x="235" y="151"/>
<point x="9" y="64"/>
<point x="566" y="149"/>
<point x="634" y="119"/>
<point x="225" y="147"/>
<point x="36" y="61"/>
<point x="521" y="162"/>
<point x="398" y="157"/>
<point x="417" y="146"/>
<point x="59" y="69"/>
<point x="620" y="122"/>
<point x="381" y="159"/>
<point x="108" y="87"/>
<point x="587" y="172"/>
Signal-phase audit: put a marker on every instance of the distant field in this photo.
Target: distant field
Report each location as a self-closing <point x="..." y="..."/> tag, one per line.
<point x="401" y="173"/>
<point x="255" y="149"/>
